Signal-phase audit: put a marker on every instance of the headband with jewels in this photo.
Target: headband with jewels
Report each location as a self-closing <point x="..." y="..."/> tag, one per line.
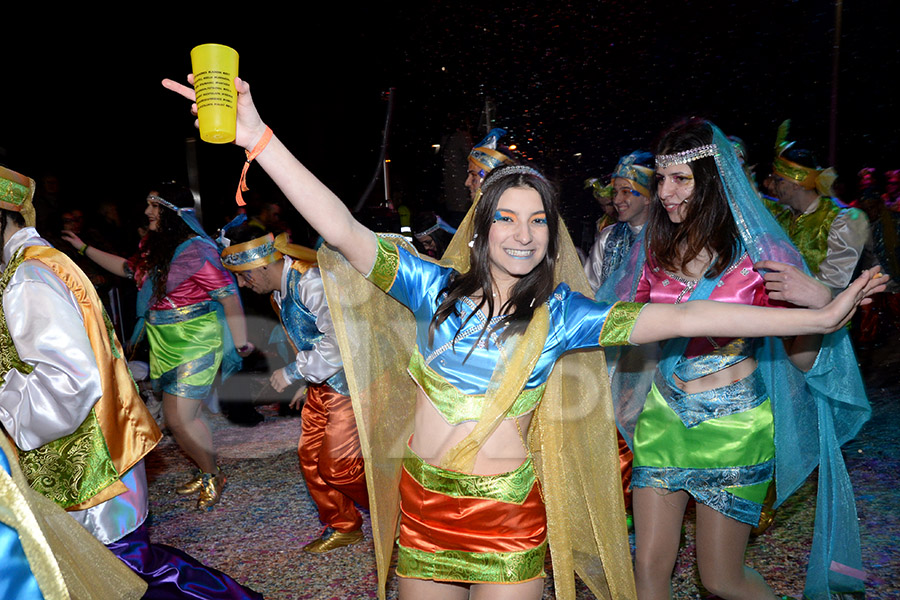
<point x="485" y="155"/>
<point x="639" y="175"/>
<point x="16" y="193"/>
<point x="262" y="251"/>
<point x="512" y="170"/>
<point x="686" y="156"/>
<point x="186" y="214"/>
<point x="809" y="178"/>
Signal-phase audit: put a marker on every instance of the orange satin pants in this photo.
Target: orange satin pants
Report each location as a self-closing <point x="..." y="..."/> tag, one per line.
<point x="330" y="458"/>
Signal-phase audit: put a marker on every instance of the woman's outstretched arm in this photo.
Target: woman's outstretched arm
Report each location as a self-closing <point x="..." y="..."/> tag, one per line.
<point x="313" y="200"/>
<point x="721" y="319"/>
<point x="112" y="263"/>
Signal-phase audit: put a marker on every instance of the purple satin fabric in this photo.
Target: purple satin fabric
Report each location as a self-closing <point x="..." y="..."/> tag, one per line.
<point x="170" y="573"/>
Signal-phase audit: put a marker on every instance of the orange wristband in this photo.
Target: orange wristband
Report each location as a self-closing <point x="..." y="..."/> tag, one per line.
<point x="251" y="154"/>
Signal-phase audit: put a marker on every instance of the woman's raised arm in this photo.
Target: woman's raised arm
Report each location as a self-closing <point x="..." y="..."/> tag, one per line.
<point x="313" y="200"/>
<point x="721" y="319"/>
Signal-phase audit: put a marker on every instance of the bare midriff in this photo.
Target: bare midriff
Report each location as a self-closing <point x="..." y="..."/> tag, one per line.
<point x="502" y="452"/>
<point x="721" y="378"/>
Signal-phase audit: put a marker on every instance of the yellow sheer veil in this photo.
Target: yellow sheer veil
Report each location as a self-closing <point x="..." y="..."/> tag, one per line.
<point x="572" y="437"/>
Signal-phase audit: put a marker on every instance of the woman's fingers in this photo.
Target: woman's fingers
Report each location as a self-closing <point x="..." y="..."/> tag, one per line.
<point x="183" y="90"/>
<point x="249" y="125"/>
<point x="844" y="304"/>
<point x="877" y="283"/>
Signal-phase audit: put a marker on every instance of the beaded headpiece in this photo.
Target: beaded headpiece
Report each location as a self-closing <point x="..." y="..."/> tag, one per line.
<point x="186" y="214"/>
<point x="163" y="202"/>
<point x="16" y="193"/>
<point x="686" y="156"/>
<point x="500" y="173"/>
<point x="485" y="155"/>
<point x="639" y="175"/>
<point x="262" y="251"/>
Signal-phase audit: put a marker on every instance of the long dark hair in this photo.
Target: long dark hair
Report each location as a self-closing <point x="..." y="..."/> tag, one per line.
<point x="15" y="217"/>
<point x="531" y="290"/>
<point x="171" y="230"/>
<point x="708" y="223"/>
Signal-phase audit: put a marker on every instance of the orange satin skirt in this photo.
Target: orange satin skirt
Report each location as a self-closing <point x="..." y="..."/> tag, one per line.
<point x="470" y="528"/>
<point x="330" y="458"/>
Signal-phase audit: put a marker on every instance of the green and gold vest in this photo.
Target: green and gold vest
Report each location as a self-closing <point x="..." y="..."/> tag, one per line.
<point x="83" y="469"/>
<point x="808" y="232"/>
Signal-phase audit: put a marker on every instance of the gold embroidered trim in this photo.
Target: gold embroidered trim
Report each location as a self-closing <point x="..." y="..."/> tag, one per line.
<point x="512" y="487"/>
<point x="9" y="358"/>
<point x="459" y="565"/>
<point x="456" y="406"/>
<point x="619" y="323"/>
<point x="387" y="263"/>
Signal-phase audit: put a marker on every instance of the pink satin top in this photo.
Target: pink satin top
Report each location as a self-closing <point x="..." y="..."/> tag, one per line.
<point x="740" y="284"/>
<point x="196" y="288"/>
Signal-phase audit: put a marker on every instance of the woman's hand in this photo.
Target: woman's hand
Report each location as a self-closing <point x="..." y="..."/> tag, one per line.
<point x="278" y="381"/>
<point x="250" y="127"/>
<point x="72" y="239"/>
<point x="297" y="401"/>
<point x="787" y="283"/>
<point x="839" y="312"/>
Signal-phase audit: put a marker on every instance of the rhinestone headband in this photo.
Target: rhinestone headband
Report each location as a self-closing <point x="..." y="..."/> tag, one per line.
<point x="680" y="158"/>
<point x="162" y="202"/>
<point x="515" y="169"/>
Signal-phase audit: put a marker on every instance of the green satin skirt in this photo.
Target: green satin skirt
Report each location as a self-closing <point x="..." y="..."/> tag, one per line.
<point x="725" y="462"/>
<point x="185" y="356"/>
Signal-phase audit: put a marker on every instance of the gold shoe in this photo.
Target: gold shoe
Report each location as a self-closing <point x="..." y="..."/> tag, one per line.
<point x="767" y="515"/>
<point x="337" y="539"/>
<point x="211" y="487"/>
<point x="190" y="487"/>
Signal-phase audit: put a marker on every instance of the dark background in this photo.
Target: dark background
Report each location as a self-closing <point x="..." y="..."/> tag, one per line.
<point x="577" y="85"/>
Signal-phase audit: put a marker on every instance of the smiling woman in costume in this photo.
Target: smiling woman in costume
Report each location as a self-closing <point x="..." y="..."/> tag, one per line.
<point x="487" y="325"/>
<point x="725" y="414"/>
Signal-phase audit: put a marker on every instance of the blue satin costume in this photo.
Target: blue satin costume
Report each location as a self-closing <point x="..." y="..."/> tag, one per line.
<point x="454" y="371"/>
<point x="450" y="364"/>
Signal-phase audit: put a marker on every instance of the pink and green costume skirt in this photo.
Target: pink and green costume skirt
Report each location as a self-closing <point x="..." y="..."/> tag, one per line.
<point x="186" y="349"/>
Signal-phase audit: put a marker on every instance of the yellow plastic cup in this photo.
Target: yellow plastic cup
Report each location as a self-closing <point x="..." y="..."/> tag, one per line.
<point x="215" y="66"/>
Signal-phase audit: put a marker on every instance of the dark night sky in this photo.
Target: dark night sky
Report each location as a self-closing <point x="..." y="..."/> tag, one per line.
<point x="595" y="78"/>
